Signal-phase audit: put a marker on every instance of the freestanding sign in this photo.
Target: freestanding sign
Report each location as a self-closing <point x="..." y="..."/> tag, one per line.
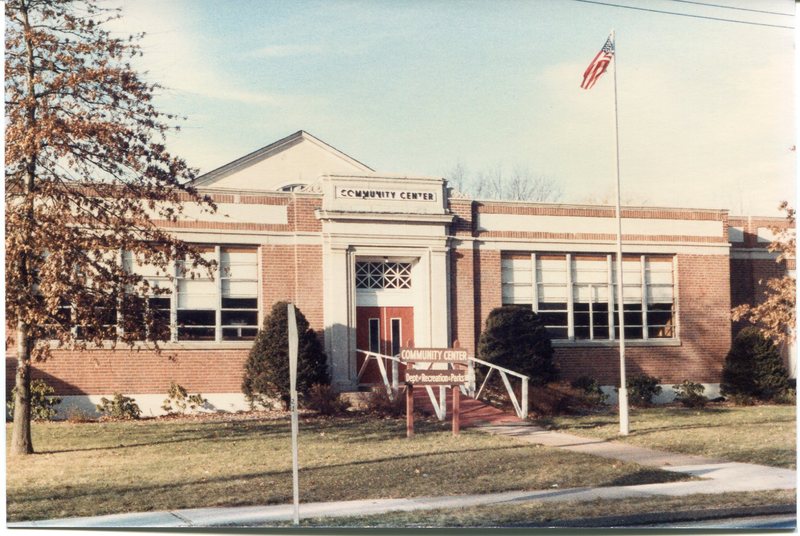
<point x="453" y="377"/>
<point x="293" y="345"/>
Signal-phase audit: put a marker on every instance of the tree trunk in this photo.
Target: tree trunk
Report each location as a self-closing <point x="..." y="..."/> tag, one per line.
<point x="21" y="443"/>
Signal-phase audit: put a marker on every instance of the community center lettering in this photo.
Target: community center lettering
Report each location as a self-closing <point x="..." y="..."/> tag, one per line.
<point x="389" y="195"/>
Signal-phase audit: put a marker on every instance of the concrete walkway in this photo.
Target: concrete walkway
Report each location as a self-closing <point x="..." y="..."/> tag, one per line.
<point x="718" y="477"/>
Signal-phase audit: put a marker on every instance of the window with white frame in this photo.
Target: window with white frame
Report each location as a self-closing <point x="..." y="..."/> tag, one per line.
<point x="221" y="306"/>
<point x="575" y="294"/>
<point x="239" y="276"/>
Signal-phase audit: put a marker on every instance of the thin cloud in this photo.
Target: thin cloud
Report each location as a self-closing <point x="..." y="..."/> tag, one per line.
<point x="174" y="55"/>
<point x="283" y="51"/>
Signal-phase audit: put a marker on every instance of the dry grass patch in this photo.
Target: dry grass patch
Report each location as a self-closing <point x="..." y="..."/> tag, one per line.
<point x="100" y="468"/>
<point x="544" y="513"/>
<point x="755" y="434"/>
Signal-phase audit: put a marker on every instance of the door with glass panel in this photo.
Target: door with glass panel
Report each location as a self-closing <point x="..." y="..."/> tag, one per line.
<point x="384" y="320"/>
<point x="383" y="330"/>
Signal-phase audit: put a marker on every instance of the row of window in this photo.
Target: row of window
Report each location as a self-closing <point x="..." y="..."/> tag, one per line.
<point x="576" y="295"/>
<point x="191" y="305"/>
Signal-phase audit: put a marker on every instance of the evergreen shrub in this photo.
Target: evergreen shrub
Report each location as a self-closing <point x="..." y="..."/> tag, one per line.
<point x="515" y="338"/>
<point x="266" y="374"/>
<point x="754" y="368"/>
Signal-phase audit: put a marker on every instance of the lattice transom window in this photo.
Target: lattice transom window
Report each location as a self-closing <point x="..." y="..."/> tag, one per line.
<point x="383" y="275"/>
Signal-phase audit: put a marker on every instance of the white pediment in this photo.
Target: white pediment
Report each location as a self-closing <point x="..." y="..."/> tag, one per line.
<point x="295" y="160"/>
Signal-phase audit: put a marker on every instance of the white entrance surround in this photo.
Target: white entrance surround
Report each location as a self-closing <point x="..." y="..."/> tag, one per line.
<point x="358" y="227"/>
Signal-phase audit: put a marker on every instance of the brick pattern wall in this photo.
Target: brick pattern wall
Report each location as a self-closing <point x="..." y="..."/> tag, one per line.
<point x="301" y="214"/>
<point x="308" y="296"/>
<point x="750" y="228"/>
<point x="129" y="371"/>
<point x="547" y="209"/>
<point x="277" y="274"/>
<point x="488" y="285"/>
<point x="704" y="305"/>
<point x="462" y="298"/>
<point x="464" y="210"/>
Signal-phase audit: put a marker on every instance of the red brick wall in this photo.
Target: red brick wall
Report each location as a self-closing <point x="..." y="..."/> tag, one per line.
<point x="704" y="320"/>
<point x="462" y="298"/>
<point x="308" y="296"/>
<point x="488" y="285"/>
<point x="704" y="302"/>
<point x="129" y="371"/>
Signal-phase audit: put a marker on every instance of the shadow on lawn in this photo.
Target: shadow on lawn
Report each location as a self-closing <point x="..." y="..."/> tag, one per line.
<point x="345" y="430"/>
<point x="309" y="473"/>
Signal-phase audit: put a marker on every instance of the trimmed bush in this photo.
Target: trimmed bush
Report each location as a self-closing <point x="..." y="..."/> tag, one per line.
<point x="642" y="388"/>
<point x="43" y="402"/>
<point x="690" y="394"/>
<point x="325" y="400"/>
<point x="516" y="339"/>
<point x="266" y="374"/>
<point x="178" y="400"/>
<point x="754" y="368"/>
<point x="591" y="390"/>
<point x="120" y="407"/>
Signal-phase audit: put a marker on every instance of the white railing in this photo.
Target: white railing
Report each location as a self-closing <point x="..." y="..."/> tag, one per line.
<point x="439" y="406"/>
<point x="391" y="388"/>
<point x="520" y="405"/>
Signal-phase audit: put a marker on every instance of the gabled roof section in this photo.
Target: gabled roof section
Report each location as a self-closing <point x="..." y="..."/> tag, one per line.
<point x="296" y="159"/>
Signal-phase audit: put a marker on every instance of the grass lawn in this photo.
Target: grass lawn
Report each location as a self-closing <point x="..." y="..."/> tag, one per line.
<point x="755" y="434"/>
<point x="100" y="468"/>
<point x="535" y="513"/>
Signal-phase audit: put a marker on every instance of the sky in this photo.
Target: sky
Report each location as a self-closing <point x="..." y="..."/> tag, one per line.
<point x="705" y="107"/>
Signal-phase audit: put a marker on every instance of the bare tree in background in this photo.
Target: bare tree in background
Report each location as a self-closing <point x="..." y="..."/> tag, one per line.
<point x="609" y="197"/>
<point x="520" y="184"/>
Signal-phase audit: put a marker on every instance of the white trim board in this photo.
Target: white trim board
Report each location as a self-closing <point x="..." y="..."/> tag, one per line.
<point x="594" y="225"/>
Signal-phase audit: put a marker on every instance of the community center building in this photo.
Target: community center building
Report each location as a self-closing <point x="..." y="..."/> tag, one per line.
<point x="377" y="261"/>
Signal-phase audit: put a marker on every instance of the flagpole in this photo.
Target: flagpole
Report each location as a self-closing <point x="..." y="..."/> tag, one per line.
<point x="623" y="390"/>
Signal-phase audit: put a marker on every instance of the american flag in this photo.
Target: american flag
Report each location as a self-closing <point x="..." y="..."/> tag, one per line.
<point x="599" y="64"/>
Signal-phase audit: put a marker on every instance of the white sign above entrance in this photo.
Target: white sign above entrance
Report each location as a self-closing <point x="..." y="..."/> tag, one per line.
<point x="347" y="192"/>
<point x="383" y="194"/>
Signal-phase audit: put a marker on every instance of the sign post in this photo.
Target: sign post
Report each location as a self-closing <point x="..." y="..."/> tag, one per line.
<point x="409" y="410"/>
<point x="293" y="345"/>
<point x="456" y="409"/>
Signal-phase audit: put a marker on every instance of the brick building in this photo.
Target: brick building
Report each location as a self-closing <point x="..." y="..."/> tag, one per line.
<point x="377" y="261"/>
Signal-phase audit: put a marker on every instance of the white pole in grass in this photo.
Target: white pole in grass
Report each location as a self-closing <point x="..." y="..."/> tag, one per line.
<point x="293" y="344"/>
<point x="623" y="390"/>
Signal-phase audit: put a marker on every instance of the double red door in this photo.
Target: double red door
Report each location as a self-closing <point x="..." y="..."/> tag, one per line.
<point x="383" y="330"/>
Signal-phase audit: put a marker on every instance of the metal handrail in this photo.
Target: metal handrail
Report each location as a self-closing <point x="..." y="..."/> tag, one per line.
<point x="520" y="406"/>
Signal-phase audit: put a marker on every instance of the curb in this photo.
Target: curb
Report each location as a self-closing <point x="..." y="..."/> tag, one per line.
<point x="654" y="518"/>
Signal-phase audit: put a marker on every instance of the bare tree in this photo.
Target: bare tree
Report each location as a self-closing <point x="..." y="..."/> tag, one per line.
<point x="609" y="197"/>
<point x="87" y="173"/>
<point x="521" y="184"/>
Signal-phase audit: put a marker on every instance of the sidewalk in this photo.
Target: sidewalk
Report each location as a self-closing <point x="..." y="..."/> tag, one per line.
<point x="718" y="477"/>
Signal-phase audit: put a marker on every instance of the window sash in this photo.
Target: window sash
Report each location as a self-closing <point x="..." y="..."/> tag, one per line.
<point x="220" y="307"/>
<point x="575" y="294"/>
